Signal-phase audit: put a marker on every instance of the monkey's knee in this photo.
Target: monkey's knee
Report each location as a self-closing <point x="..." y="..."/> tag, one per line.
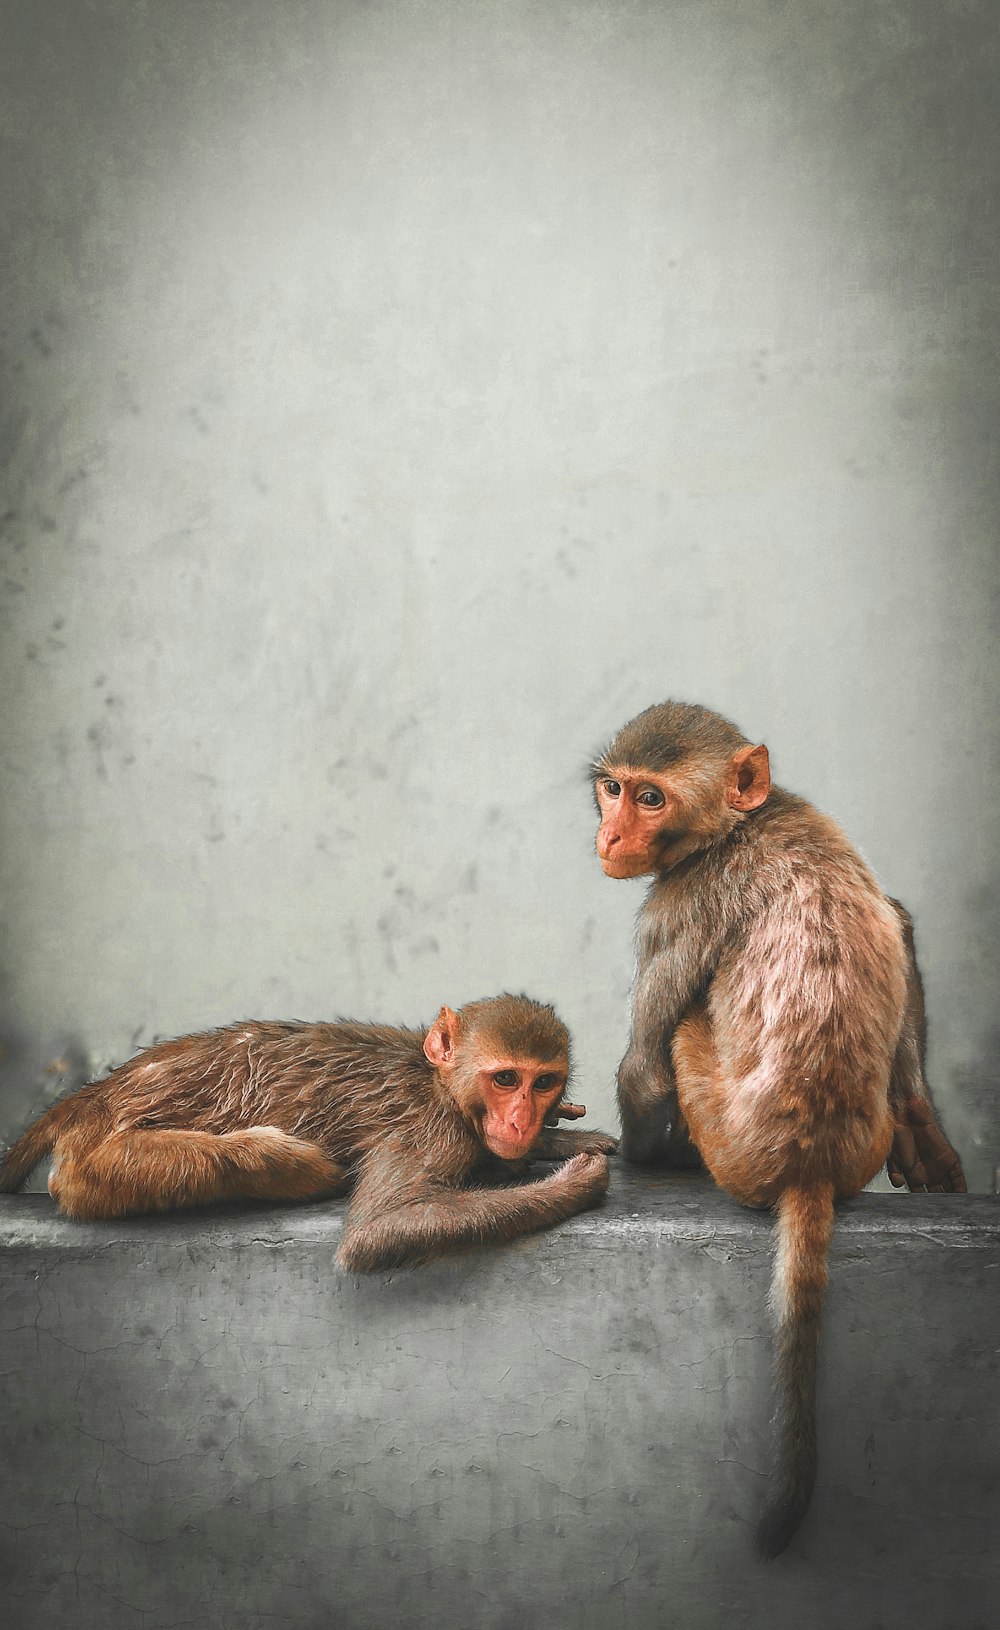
<point x="274" y="1165"/>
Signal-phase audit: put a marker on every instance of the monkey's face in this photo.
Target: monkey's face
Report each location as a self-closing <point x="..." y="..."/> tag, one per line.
<point x="501" y="1089"/>
<point x="652" y="820"/>
<point x="513" y="1097"/>
<point x="639" y="814"/>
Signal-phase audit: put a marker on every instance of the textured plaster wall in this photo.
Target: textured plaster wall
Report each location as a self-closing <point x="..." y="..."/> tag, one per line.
<point x="397" y="397"/>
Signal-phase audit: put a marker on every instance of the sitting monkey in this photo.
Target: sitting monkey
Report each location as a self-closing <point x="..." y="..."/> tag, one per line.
<point x="777" y="1018"/>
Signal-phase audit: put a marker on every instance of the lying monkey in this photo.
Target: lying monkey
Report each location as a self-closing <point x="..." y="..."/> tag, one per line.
<point x="403" y="1118"/>
<point x="777" y="1018"/>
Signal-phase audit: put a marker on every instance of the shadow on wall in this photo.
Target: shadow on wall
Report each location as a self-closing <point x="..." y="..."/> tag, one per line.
<point x="32" y="1078"/>
<point x="969" y="1071"/>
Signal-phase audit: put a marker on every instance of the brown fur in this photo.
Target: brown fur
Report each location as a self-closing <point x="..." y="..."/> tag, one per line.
<point x="921" y="1156"/>
<point x="293" y="1111"/>
<point x="775" y="1016"/>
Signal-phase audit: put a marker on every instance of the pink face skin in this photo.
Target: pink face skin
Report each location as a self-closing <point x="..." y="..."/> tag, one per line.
<point x="650" y="822"/>
<point x="634" y="809"/>
<point x="517" y="1094"/>
<point x="507" y="1097"/>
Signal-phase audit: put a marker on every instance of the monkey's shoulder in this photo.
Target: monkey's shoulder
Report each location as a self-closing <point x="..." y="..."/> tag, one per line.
<point x="786" y="820"/>
<point x="791" y="840"/>
<point x="787" y="861"/>
<point x="415" y="1132"/>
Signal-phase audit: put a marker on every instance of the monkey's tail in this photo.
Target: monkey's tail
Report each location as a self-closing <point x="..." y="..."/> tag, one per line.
<point x="23" y="1156"/>
<point x="805" y="1224"/>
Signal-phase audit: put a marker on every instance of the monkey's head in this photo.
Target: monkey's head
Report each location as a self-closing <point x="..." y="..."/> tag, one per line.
<point x="505" y="1062"/>
<point x="675" y="779"/>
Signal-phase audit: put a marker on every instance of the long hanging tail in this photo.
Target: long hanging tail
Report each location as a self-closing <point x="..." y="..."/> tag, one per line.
<point x="805" y="1224"/>
<point x="23" y="1156"/>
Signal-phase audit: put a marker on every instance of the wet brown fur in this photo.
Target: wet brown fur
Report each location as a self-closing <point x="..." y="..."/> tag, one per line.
<point x="776" y="1026"/>
<point x="289" y="1111"/>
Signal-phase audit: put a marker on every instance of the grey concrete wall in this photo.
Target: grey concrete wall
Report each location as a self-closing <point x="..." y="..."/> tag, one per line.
<point x="398" y="397"/>
<point x="207" y="1425"/>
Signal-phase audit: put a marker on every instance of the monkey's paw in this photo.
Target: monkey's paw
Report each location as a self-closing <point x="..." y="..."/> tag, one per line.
<point x="564" y="1111"/>
<point x="586" y="1179"/>
<point x="597" y="1143"/>
<point x="668" y="1146"/>
<point x="921" y="1156"/>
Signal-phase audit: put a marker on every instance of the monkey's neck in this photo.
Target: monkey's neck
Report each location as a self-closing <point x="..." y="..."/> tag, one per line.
<point x="726" y="843"/>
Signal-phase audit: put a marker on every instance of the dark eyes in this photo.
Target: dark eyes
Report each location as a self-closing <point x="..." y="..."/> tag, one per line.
<point x="509" y="1078"/>
<point x="649" y="797"/>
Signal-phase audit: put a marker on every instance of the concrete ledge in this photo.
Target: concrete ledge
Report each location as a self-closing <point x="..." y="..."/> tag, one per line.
<point x="206" y="1425"/>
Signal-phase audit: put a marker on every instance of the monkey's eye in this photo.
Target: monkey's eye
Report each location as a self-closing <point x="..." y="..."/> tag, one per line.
<point x="505" y="1078"/>
<point x="545" y="1083"/>
<point x="612" y="788"/>
<point x="651" y="797"/>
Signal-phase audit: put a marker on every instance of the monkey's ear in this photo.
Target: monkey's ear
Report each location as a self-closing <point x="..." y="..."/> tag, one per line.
<point x="749" y="780"/>
<point x="441" y="1039"/>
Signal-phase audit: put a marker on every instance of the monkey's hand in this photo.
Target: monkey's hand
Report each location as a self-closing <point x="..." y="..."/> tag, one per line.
<point x="645" y="1081"/>
<point x="921" y="1156"/>
<point x="564" y="1111"/>
<point x="556" y="1144"/>
<point x="654" y="1131"/>
<point x="584" y="1180"/>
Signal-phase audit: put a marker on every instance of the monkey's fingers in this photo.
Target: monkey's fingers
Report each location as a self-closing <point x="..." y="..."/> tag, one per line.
<point x="902" y="1162"/>
<point x="941" y="1164"/>
<point x="586" y="1176"/>
<point x="564" y="1112"/>
<point x="921" y="1155"/>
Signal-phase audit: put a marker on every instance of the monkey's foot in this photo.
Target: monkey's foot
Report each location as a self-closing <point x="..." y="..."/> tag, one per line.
<point x="921" y="1156"/>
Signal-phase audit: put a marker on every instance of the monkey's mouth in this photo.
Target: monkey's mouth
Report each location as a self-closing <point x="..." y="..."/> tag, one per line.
<point x="615" y="865"/>
<point x="506" y="1148"/>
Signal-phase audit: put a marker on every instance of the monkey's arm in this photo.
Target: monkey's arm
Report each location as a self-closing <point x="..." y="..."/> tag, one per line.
<point x="563" y="1145"/>
<point x="400" y="1215"/>
<point x="653" y="1127"/>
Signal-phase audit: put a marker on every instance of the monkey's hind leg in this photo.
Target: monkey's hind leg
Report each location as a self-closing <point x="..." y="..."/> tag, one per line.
<point x="696" y="1068"/>
<point x="138" y="1171"/>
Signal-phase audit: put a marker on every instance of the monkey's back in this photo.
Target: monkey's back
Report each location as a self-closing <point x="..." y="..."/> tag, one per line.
<point x="341" y="1085"/>
<point x="807" y="1002"/>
